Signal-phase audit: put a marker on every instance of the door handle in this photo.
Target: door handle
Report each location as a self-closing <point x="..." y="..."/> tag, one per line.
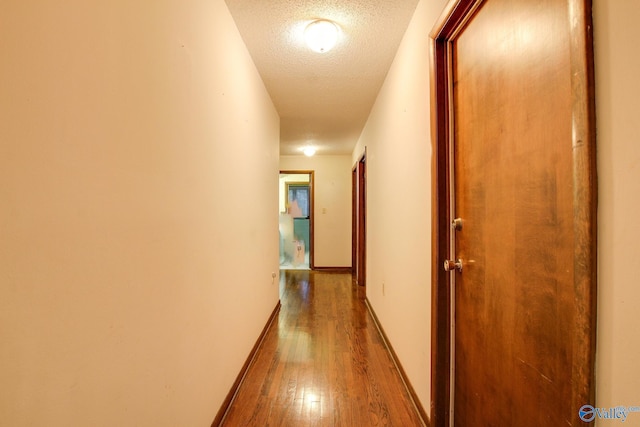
<point x="450" y="265"/>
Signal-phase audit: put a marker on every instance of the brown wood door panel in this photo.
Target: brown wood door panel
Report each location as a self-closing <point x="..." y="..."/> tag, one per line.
<point x="508" y="127"/>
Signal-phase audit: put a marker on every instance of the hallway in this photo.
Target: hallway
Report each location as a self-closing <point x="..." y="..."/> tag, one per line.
<point x="322" y="363"/>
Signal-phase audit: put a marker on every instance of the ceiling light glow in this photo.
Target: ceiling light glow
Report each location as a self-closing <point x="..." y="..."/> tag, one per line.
<point x="321" y="35"/>
<point x="309" y="151"/>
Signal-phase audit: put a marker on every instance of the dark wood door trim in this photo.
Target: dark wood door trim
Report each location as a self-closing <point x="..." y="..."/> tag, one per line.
<point x="311" y="210"/>
<point x="453" y="19"/>
<point x="354" y="219"/>
<point x="362" y="221"/>
<point x="358" y="221"/>
<point x="585" y="198"/>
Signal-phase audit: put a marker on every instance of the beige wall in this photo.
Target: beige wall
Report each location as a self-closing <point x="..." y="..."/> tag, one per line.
<point x="125" y="297"/>
<point x="332" y="206"/>
<point x="397" y="138"/>
<point x="618" y="104"/>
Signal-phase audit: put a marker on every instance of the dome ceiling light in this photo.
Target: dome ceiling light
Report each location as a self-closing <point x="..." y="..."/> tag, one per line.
<point x="309" y="151"/>
<point x="321" y="35"/>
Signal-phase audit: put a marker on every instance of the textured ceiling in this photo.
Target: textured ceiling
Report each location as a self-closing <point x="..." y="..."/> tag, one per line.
<point x="323" y="99"/>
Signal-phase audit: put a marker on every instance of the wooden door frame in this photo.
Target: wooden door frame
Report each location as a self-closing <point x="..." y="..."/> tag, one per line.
<point x="354" y="219"/>
<point x="452" y="21"/>
<point x="358" y="220"/>
<point x="311" y="209"/>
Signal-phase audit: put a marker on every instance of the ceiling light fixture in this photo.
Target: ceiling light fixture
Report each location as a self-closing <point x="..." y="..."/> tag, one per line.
<point x="309" y="151"/>
<point x="321" y="35"/>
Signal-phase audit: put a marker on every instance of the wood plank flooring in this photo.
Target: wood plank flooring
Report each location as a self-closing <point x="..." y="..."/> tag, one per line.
<point x="322" y="363"/>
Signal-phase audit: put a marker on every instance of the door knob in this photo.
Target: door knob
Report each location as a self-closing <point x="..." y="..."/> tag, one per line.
<point x="450" y="265"/>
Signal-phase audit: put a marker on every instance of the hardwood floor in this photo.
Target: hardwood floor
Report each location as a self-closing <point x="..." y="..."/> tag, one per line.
<point x="322" y="363"/>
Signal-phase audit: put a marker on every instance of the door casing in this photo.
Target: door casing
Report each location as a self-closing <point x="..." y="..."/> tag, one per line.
<point x="359" y="214"/>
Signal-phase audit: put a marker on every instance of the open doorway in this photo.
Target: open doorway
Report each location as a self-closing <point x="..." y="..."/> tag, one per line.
<point x="296" y="220"/>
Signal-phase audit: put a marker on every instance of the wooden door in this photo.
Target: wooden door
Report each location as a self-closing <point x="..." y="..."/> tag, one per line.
<point x="520" y="177"/>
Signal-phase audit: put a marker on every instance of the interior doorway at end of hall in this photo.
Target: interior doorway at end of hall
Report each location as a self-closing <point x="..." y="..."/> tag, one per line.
<point x="296" y="220"/>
